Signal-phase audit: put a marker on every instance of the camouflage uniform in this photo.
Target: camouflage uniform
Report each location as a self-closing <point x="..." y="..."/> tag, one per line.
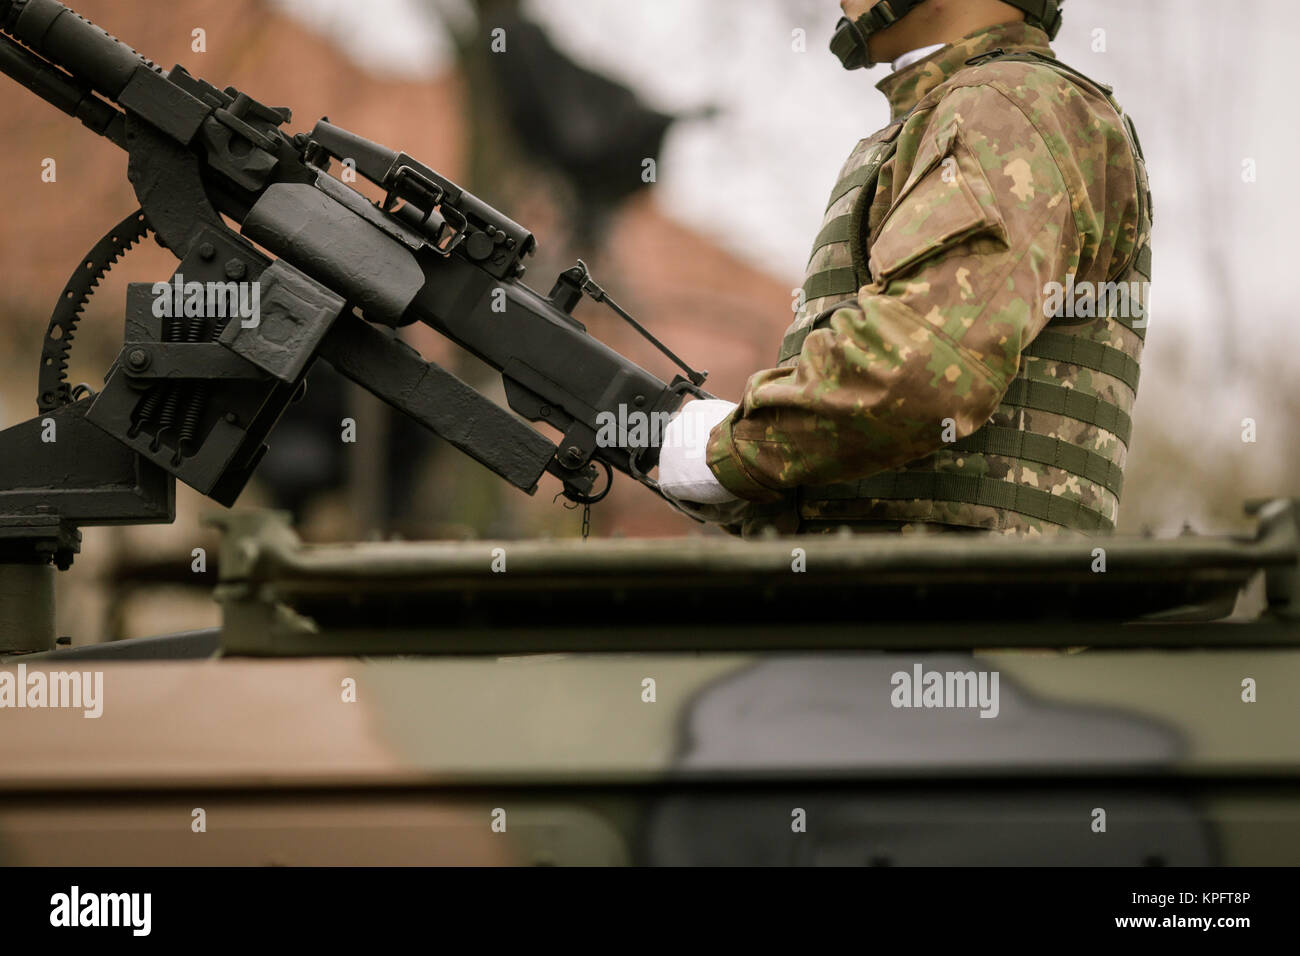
<point x="923" y="386"/>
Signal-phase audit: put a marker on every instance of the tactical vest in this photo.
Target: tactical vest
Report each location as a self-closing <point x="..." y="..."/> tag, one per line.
<point x="1070" y="440"/>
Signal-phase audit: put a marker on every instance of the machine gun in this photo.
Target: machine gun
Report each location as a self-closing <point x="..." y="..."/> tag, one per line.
<point x="211" y="359"/>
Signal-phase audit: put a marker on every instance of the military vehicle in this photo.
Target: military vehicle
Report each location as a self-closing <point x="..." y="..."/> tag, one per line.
<point x="819" y="700"/>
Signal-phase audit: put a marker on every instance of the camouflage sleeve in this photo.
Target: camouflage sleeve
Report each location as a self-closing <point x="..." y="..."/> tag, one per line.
<point x="959" y="262"/>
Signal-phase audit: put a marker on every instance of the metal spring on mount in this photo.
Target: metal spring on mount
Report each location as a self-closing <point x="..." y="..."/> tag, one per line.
<point x="147" y="412"/>
<point x="196" y="397"/>
<point x="176" y="394"/>
<point x="148" y="407"/>
<point x="167" y="417"/>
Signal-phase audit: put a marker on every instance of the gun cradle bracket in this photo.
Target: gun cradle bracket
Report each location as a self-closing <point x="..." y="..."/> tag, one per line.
<point x="210" y="361"/>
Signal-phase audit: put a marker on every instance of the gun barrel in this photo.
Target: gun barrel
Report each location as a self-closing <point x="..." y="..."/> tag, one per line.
<point x="60" y="90"/>
<point x="68" y="39"/>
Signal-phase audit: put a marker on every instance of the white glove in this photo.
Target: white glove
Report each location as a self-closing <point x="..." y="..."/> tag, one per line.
<point x="684" y="475"/>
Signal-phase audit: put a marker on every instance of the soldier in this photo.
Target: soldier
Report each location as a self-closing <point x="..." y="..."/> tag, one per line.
<point x="967" y="354"/>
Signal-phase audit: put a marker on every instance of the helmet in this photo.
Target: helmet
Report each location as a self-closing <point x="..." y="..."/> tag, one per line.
<point x="850" y="40"/>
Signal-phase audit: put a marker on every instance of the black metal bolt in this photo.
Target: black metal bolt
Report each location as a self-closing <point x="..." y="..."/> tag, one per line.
<point x="235" y="269"/>
<point x="638" y="401"/>
<point x="573" y="456"/>
<point x="479" y="246"/>
<point x="207" y="252"/>
<point x="138" y="359"/>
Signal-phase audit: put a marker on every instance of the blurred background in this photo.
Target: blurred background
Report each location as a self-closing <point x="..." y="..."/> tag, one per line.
<point x="747" y="118"/>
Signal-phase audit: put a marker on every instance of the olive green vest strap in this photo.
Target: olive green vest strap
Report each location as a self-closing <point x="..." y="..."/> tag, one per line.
<point x="792" y="344"/>
<point x="840" y="241"/>
<point x="1141" y="271"/>
<point x="859" y="177"/>
<point x="1060" y="347"/>
<point x="837" y="230"/>
<point x="972" y="490"/>
<point x="1070" y="402"/>
<point x="1028" y="446"/>
<point x="860" y="213"/>
<point x="831" y="282"/>
<point x="858" y="228"/>
<point x="1136" y="321"/>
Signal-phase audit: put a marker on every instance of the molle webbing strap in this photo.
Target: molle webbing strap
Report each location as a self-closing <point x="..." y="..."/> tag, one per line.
<point x="859" y="177"/>
<point x="972" y="490"/>
<point x="830" y="282"/>
<point x="792" y="344"/>
<point x="840" y="239"/>
<point x="1062" y="347"/>
<point x="1028" y="446"/>
<point x="1072" y="403"/>
<point x="837" y="230"/>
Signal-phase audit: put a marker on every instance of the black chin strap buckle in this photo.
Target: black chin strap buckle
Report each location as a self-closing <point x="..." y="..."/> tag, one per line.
<point x="849" y="44"/>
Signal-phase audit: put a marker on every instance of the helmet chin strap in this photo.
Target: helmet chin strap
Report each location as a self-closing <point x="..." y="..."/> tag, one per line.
<point x="849" y="44"/>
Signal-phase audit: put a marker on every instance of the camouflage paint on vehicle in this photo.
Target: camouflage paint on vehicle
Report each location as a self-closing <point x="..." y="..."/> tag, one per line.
<point x="639" y="750"/>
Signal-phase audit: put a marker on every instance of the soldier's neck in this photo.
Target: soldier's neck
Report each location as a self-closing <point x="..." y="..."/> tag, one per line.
<point x="907" y="59"/>
<point x="911" y="81"/>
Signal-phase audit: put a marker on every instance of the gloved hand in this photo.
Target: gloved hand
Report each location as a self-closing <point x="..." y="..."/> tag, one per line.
<point x="684" y="475"/>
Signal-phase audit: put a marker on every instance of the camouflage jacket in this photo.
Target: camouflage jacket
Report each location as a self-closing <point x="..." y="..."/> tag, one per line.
<point x="1006" y="176"/>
